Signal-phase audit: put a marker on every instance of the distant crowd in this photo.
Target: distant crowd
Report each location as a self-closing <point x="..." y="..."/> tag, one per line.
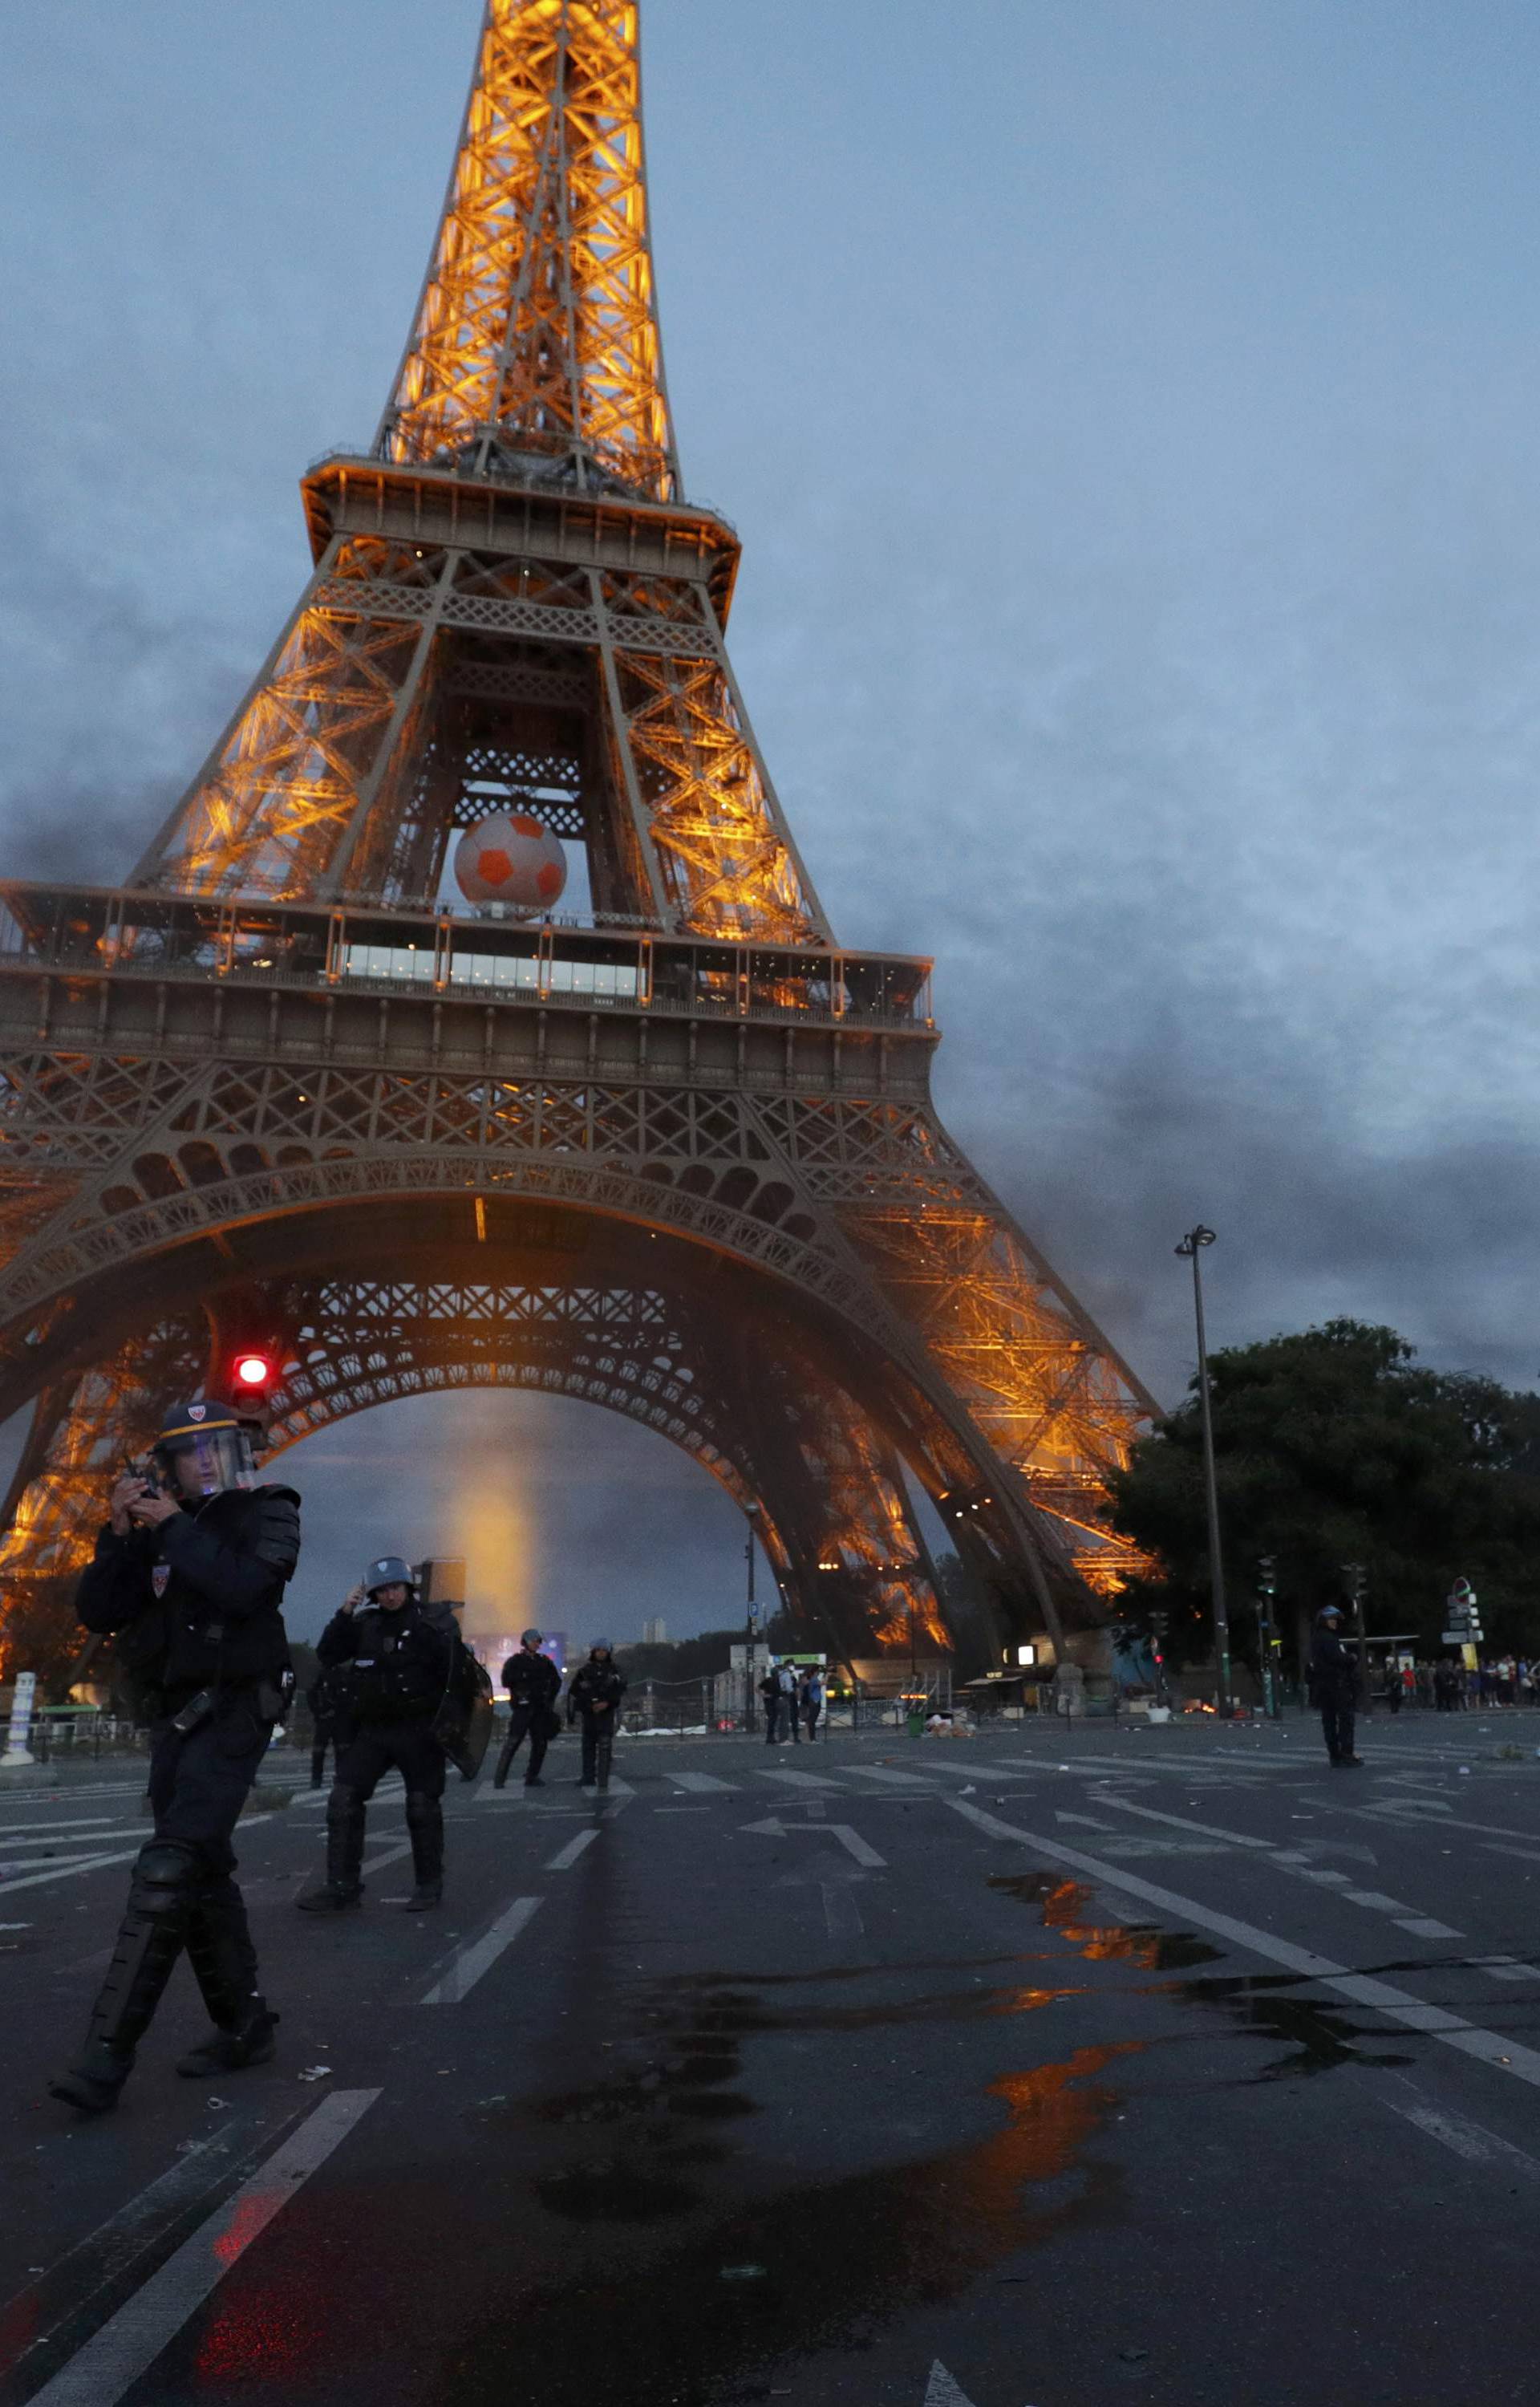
<point x="1450" y="1687"/>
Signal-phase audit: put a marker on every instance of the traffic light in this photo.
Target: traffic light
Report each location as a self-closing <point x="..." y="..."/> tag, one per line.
<point x="1266" y="1574"/>
<point x="247" y="1375"/>
<point x="1357" y="1579"/>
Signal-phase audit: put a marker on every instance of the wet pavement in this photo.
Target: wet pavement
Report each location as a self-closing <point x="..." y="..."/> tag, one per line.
<point x="1023" y="2071"/>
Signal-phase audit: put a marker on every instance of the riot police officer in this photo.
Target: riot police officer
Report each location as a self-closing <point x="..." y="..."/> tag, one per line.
<point x="327" y="1698"/>
<point x="400" y="1656"/>
<point x="1334" y="1685"/>
<point x="533" y="1683"/>
<point x="595" y="1695"/>
<point x="190" y="1572"/>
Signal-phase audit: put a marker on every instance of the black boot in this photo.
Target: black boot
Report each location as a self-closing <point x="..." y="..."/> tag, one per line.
<point x="162" y="1895"/>
<point x="424" y="1822"/>
<point x="504" y="1763"/>
<point x="343" y="1887"/>
<point x="224" y="1962"/>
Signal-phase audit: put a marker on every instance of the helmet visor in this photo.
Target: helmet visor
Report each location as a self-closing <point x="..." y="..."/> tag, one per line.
<point x="208" y="1461"/>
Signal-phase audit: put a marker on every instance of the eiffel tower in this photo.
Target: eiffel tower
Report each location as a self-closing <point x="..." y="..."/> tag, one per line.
<point x="675" y="1152"/>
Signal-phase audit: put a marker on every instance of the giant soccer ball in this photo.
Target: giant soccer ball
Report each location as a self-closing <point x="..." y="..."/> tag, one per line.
<point x="511" y="858"/>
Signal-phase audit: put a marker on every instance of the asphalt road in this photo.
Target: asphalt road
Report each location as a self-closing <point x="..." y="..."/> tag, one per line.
<point x="1023" y="2071"/>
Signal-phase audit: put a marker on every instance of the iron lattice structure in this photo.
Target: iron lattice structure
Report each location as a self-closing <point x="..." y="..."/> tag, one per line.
<point x="678" y="1153"/>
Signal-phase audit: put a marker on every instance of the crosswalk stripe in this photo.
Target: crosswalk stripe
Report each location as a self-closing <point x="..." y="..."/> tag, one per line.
<point x="804" y="1780"/>
<point x="701" y="1783"/>
<point x="890" y="1779"/>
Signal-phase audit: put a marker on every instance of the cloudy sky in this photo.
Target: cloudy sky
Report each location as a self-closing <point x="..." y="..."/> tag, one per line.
<point x="1129" y="414"/>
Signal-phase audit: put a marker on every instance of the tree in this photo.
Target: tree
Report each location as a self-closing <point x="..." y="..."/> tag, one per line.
<point x="1335" y="1446"/>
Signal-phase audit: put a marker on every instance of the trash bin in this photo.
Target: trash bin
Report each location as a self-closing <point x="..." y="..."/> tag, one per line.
<point x="916" y="1723"/>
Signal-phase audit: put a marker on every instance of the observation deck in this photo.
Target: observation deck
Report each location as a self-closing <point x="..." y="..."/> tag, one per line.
<point x="129" y="970"/>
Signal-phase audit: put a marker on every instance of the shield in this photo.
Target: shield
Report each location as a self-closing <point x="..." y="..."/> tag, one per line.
<point x="463" y="1723"/>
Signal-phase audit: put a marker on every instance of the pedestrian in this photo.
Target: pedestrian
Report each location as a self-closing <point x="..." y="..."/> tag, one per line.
<point x="1445" y="1686"/>
<point x="595" y="1694"/>
<point x="1333" y="1687"/>
<point x="401" y="1658"/>
<point x="769" y="1689"/>
<point x="811" y="1700"/>
<point x="789" y="1702"/>
<point x="326" y="1700"/>
<point x="533" y="1683"/>
<point x="190" y="1571"/>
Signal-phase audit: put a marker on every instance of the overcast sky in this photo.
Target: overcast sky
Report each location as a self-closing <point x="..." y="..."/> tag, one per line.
<point x="1130" y="417"/>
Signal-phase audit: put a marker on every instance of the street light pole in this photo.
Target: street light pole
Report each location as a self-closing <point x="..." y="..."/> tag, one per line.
<point x="1190" y="1248"/>
<point x="751" y="1514"/>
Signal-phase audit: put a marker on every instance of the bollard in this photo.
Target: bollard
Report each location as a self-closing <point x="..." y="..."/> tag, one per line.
<point x="22" y="1702"/>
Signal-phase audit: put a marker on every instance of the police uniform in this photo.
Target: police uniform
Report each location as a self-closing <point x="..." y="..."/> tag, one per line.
<point x="533" y="1683"/>
<point x="399" y="1666"/>
<point x="595" y="1696"/>
<point x="1333" y="1683"/>
<point x="327" y="1699"/>
<point x="195" y="1603"/>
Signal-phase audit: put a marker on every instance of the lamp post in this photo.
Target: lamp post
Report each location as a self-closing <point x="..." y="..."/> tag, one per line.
<point x="1190" y="1249"/>
<point x="751" y="1514"/>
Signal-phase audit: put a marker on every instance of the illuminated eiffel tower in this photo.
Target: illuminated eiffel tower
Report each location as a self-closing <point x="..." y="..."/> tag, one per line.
<point x="673" y="1152"/>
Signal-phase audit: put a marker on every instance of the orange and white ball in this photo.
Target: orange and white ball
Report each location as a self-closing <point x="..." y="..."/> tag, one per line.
<point x="511" y="857"/>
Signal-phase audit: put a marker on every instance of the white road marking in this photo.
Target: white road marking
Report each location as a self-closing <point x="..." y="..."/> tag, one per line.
<point x="841" y="1915"/>
<point x="386" y="1856"/>
<point x="852" y="1841"/>
<point x="568" y="1855"/>
<point x="805" y="1780"/>
<point x="1505" y="1967"/>
<point x="129" y="2342"/>
<point x="1327" y="1879"/>
<point x="466" y="1967"/>
<point x="1185" y="1822"/>
<point x="942" y="2391"/>
<point x="67" y="1872"/>
<point x="1463" y="2138"/>
<point x="1487" y="2047"/>
<point x="1085" y="1821"/>
<point x="1425" y="1926"/>
<point x="1524" y="1855"/>
<point x="891" y="1779"/>
<point x="106" y="1826"/>
<point x="701" y="1783"/>
<point x="1376" y="1899"/>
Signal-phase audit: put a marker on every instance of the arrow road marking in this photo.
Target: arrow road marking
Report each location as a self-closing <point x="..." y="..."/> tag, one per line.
<point x="852" y="1841"/>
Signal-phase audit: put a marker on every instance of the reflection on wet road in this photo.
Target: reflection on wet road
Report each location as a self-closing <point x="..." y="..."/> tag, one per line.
<point x="681" y="2142"/>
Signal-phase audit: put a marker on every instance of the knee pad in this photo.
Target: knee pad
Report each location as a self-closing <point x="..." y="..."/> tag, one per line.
<point x="168" y="1875"/>
<point x="422" y="1810"/>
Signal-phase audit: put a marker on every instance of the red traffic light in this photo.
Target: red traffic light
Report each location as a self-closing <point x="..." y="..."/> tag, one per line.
<point x="252" y="1370"/>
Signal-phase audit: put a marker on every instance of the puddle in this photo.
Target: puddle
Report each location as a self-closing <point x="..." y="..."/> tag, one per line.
<point x="833" y="2262"/>
<point x="1318" y="2036"/>
<point x="1064" y="1904"/>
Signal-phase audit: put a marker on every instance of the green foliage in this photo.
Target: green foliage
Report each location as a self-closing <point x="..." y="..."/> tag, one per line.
<point x="1333" y="1447"/>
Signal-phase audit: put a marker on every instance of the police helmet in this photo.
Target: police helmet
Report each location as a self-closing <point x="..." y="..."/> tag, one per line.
<point x="531" y="1638"/>
<point x="216" y="1439"/>
<point x="600" y="1647"/>
<point x="1330" y="1613"/>
<point x="387" y="1571"/>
